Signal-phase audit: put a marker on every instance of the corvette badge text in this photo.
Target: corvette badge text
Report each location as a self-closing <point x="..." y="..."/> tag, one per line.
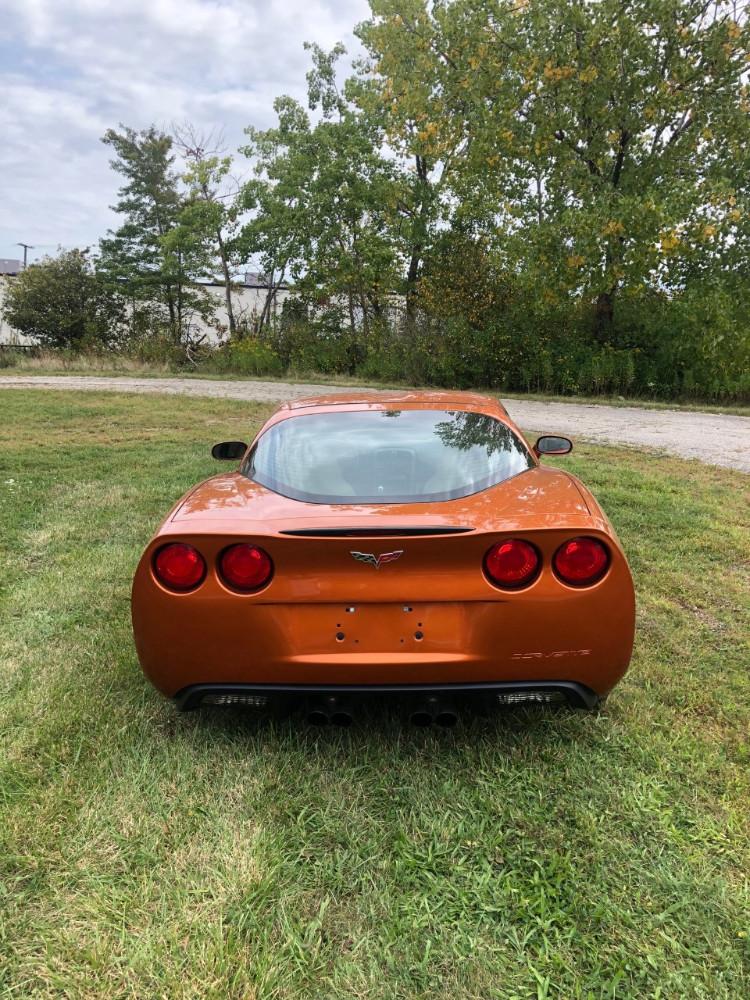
<point x="551" y="656"/>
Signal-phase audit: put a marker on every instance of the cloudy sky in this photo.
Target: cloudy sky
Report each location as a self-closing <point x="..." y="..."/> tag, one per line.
<point x="70" y="69"/>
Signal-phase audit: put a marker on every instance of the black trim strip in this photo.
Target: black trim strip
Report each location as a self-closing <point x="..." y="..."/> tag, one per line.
<point x="372" y="532"/>
<point x="577" y="694"/>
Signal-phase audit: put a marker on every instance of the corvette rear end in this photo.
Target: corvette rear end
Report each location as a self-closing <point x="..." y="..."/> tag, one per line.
<point x="258" y="586"/>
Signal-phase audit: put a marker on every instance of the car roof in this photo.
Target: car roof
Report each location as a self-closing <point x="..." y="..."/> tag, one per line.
<point x="416" y="397"/>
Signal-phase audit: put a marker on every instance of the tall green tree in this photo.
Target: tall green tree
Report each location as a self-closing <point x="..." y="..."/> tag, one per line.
<point x="209" y="215"/>
<point x="401" y="84"/>
<point x="143" y="257"/>
<point x="321" y="196"/>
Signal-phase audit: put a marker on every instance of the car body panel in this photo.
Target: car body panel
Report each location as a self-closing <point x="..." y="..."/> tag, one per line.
<point x="231" y="499"/>
<point x="429" y="616"/>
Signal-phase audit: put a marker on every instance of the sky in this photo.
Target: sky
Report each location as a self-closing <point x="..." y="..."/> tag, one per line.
<point x="70" y="69"/>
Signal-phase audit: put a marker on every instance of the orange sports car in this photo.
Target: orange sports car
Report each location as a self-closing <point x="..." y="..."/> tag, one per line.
<point x="386" y="542"/>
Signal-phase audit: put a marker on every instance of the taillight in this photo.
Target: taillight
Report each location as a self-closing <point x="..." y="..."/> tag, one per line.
<point x="245" y="567"/>
<point x="512" y="563"/>
<point x="581" y="561"/>
<point x="179" y="566"/>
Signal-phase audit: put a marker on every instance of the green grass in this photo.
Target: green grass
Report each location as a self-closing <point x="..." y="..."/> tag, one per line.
<point x="530" y="855"/>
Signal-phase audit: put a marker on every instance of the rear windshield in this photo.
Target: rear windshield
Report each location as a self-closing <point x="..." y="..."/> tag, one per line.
<point x="386" y="456"/>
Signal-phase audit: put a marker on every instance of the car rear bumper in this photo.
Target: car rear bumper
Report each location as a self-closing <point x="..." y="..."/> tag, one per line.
<point x="508" y="692"/>
<point x="545" y="634"/>
<point x="185" y="643"/>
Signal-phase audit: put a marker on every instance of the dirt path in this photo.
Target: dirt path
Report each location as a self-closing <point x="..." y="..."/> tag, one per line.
<point x="718" y="439"/>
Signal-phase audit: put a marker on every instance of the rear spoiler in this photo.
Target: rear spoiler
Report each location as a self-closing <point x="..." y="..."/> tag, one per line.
<point x="374" y="532"/>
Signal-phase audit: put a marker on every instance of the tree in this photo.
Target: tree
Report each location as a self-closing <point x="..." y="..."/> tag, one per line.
<point x="593" y="142"/>
<point x="401" y="86"/>
<point x="210" y="209"/>
<point x="153" y="267"/>
<point x="61" y="302"/>
<point x="320" y="198"/>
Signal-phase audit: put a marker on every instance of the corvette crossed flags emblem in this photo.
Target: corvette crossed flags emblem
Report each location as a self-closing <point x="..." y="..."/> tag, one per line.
<point x="377" y="561"/>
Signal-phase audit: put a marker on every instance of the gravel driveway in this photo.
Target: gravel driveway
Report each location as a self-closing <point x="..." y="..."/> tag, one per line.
<point x="718" y="439"/>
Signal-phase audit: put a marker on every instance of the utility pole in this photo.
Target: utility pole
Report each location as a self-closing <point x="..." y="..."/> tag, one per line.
<point x="26" y="248"/>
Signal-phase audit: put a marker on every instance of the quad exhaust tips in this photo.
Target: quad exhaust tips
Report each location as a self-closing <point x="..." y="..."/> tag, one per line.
<point x="329" y="710"/>
<point x="433" y="710"/>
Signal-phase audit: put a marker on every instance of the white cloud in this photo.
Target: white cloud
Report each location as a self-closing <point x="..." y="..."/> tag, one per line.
<point x="69" y="69"/>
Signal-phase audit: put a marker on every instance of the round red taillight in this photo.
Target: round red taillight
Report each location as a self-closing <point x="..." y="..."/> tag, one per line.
<point x="581" y="561"/>
<point x="512" y="563"/>
<point x="245" y="567"/>
<point x="179" y="566"/>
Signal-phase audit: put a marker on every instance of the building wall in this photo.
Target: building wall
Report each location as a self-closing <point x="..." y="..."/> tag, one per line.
<point x="247" y="301"/>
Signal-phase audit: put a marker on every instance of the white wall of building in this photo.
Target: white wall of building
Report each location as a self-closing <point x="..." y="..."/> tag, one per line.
<point x="247" y="302"/>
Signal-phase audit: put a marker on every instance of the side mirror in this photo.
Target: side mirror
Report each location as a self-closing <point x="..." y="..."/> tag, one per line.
<point x="229" y="451"/>
<point x="552" y="444"/>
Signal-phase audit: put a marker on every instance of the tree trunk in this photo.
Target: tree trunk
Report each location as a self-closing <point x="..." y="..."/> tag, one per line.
<point x="172" y="319"/>
<point x="179" y="296"/>
<point x="365" y="318"/>
<point x="227" y="286"/>
<point x="604" y="316"/>
<point x="415" y="258"/>
<point x="411" y="283"/>
<point x="265" y="313"/>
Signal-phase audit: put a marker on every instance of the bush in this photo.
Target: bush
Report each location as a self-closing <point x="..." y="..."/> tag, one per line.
<point x="61" y="302"/>
<point x="159" y="349"/>
<point x="11" y="358"/>
<point x="436" y="352"/>
<point x="324" y="344"/>
<point x="249" y="356"/>
<point x="694" y="345"/>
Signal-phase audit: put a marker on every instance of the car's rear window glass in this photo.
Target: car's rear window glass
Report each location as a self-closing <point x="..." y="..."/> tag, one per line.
<point x="386" y="456"/>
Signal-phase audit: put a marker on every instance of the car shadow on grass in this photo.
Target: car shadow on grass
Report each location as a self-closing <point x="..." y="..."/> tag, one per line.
<point x="389" y="721"/>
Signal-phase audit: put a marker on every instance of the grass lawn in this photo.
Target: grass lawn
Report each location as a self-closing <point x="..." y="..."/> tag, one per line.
<point x="530" y="855"/>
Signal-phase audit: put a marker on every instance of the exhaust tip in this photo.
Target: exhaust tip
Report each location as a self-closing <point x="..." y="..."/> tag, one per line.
<point x="342" y="718"/>
<point x="424" y="712"/>
<point x="446" y="718"/>
<point x="317" y="717"/>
